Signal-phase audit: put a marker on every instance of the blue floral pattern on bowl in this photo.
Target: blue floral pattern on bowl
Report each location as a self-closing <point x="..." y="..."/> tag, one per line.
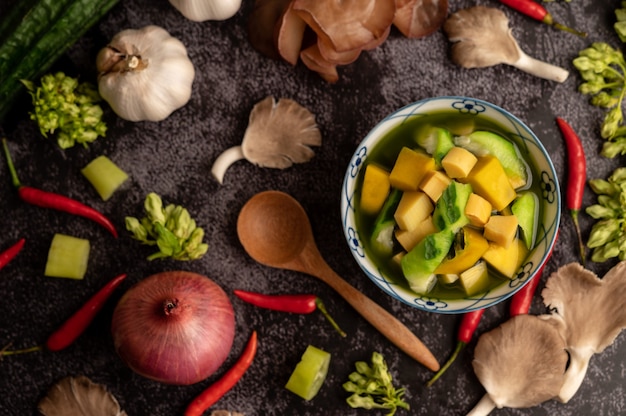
<point x="548" y="224"/>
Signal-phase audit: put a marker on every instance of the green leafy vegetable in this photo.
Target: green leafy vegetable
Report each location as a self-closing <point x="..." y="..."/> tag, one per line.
<point x="170" y="228"/>
<point x="372" y="387"/>
<point x="67" y="108"/>
<point x="608" y="235"/>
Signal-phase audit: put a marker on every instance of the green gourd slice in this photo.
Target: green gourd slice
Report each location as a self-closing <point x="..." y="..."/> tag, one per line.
<point x="67" y="257"/>
<point x="309" y="375"/>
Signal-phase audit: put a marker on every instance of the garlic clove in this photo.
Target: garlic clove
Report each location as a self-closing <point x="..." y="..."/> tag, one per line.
<point x="202" y="10"/>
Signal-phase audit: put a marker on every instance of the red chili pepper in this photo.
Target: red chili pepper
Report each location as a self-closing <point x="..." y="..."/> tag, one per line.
<point x="468" y="326"/>
<point x="576" y="178"/>
<point x="303" y="304"/>
<point x="80" y="320"/>
<point x="9" y="254"/>
<point x="536" y="11"/>
<point x="216" y="390"/>
<point x="51" y="200"/>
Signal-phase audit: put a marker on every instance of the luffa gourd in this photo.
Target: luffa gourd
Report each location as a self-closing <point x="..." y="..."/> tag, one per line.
<point x="201" y="10"/>
<point x="145" y="74"/>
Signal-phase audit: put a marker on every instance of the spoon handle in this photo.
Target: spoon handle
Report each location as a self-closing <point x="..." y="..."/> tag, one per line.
<point x="383" y="321"/>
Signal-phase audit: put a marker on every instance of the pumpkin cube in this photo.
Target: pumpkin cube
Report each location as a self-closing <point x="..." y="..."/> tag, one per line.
<point x="474" y="246"/>
<point x="434" y="183"/>
<point x="478" y="210"/>
<point x="414" y="207"/>
<point x="489" y="180"/>
<point x="501" y="229"/>
<point x="409" y="239"/>
<point x="506" y="261"/>
<point x="410" y="168"/>
<point x="375" y="189"/>
<point x="458" y="162"/>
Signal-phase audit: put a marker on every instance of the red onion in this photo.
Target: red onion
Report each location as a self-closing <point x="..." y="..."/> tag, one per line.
<point x="174" y="327"/>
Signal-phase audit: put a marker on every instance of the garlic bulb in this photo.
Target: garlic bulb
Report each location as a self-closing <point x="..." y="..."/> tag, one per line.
<point x="201" y="10"/>
<point x="145" y="74"/>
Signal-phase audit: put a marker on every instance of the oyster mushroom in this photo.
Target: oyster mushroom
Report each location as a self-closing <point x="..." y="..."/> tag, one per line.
<point x="79" y="396"/>
<point x="279" y="134"/>
<point x="591" y="312"/>
<point x="482" y="38"/>
<point x="520" y="363"/>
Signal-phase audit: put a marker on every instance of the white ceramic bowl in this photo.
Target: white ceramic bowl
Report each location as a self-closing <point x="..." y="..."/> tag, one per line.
<point x="549" y="199"/>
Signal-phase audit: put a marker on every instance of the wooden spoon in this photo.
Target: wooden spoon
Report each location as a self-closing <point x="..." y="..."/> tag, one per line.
<point x="275" y="231"/>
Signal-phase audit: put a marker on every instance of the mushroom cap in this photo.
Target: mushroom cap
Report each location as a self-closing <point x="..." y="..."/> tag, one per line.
<point x="593" y="310"/>
<point x="78" y="396"/>
<point x="481" y="37"/>
<point x="521" y="362"/>
<point x="279" y="134"/>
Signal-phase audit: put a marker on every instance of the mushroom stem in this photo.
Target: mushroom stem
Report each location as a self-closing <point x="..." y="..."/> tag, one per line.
<point x="539" y="68"/>
<point x="483" y="407"/>
<point x="575" y="373"/>
<point x="224" y="160"/>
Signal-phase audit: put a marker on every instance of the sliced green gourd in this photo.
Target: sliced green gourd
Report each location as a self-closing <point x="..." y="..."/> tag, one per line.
<point x="382" y="236"/>
<point x="67" y="257"/>
<point x="105" y="176"/>
<point x="483" y="143"/>
<point x="449" y="212"/>
<point x="525" y="209"/>
<point x="436" y="141"/>
<point x="419" y="264"/>
<point x="309" y="375"/>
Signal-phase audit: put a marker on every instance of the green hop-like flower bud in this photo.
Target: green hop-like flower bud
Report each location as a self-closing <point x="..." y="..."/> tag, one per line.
<point x="600" y="212"/>
<point x="154" y="208"/>
<point x="614" y="148"/>
<point x="603" y="231"/>
<point x="608" y="251"/>
<point x="138" y="231"/>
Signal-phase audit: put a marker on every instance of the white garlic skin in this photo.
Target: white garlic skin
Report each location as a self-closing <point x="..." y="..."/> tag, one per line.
<point x="202" y="10"/>
<point x="157" y="90"/>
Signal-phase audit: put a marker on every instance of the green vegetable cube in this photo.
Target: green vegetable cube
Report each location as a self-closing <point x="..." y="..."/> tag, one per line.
<point x="309" y="375"/>
<point x="68" y="257"/>
<point x="105" y="176"/>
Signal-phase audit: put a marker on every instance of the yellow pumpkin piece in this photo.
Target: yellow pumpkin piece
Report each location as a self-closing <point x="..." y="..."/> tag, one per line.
<point x="447" y="279"/>
<point x="489" y="180"/>
<point x="414" y="207"/>
<point x="409" y="239"/>
<point x="458" y="162"/>
<point x="501" y="229"/>
<point x="478" y="210"/>
<point x="508" y="260"/>
<point x="475" y="246"/>
<point x="434" y="183"/>
<point x="409" y="169"/>
<point x="375" y="189"/>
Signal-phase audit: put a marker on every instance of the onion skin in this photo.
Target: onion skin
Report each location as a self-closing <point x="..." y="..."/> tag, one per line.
<point x="174" y="327"/>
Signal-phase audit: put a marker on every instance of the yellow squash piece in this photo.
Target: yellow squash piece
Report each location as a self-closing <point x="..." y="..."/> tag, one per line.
<point x="414" y="207"/>
<point x="458" y="162"/>
<point x="478" y="210"/>
<point x="501" y="229"/>
<point x="410" y="168"/>
<point x="489" y="180"/>
<point x="506" y="260"/>
<point x="475" y="246"/>
<point x="434" y="183"/>
<point x="409" y="239"/>
<point x="375" y="189"/>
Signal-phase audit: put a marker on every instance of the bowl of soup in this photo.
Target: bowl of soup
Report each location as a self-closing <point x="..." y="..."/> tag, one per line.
<point x="450" y="204"/>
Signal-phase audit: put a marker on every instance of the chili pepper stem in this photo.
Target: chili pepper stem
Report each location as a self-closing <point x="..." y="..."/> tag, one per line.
<point x="6" y="351"/>
<point x="548" y="20"/>
<point x="581" y="245"/>
<point x="459" y="347"/>
<point x="322" y="308"/>
<point x="14" y="178"/>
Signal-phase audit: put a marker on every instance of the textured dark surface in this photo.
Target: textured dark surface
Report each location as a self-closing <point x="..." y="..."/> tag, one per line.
<point x="173" y="158"/>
